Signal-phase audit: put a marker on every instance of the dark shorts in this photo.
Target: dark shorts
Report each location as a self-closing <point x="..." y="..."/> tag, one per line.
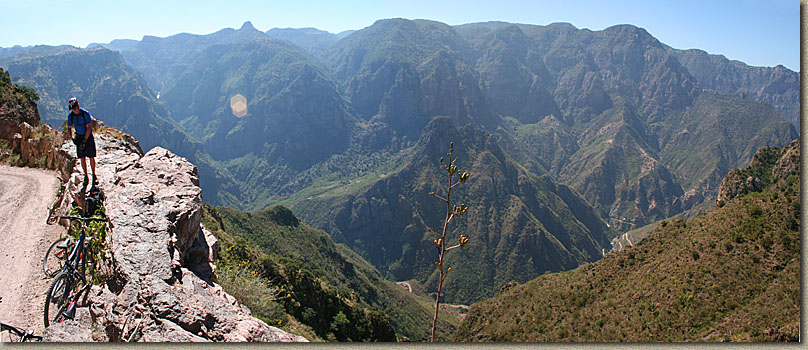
<point x="89" y="146"/>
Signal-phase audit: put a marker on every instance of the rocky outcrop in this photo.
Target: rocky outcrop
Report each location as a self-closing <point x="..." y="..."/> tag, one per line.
<point x="163" y="285"/>
<point x="34" y="142"/>
<point x="737" y="183"/>
<point x="789" y="162"/>
<point x="768" y="165"/>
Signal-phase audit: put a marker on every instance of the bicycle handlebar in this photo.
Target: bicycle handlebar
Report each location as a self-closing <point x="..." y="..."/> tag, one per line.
<point x="24" y="335"/>
<point x="71" y="217"/>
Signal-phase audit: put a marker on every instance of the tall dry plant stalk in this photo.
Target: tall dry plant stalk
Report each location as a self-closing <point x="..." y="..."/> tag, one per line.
<point x="451" y="213"/>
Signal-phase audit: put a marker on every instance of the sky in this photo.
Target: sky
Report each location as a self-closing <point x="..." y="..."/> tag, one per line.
<point x="756" y="32"/>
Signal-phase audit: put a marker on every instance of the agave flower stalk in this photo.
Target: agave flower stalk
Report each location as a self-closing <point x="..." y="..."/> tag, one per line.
<point x="451" y="213"/>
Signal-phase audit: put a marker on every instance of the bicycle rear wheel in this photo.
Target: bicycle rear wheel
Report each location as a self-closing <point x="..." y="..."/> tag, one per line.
<point x="56" y="256"/>
<point x="58" y="298"/>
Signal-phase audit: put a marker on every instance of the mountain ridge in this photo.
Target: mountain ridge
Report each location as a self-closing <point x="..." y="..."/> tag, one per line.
<point x="612" y="115"/>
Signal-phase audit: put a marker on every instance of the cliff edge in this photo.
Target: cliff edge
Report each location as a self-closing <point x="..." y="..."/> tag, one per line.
<point x="163" y="286"/>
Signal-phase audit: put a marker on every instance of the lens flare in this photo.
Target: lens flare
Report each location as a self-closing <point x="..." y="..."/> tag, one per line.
<point x="238" y="104"/>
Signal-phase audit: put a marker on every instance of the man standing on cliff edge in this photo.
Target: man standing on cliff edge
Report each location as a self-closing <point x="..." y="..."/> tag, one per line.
<point x="83" y="139"/>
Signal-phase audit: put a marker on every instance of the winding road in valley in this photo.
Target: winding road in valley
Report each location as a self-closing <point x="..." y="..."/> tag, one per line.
<point x="25" y="195"/>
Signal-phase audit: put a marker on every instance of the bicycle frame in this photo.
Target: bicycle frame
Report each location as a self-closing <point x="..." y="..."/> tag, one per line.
<point x="74" y="273"/>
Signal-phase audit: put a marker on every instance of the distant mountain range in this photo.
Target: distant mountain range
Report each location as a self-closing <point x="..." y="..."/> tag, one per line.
<point x="573" y="136"/>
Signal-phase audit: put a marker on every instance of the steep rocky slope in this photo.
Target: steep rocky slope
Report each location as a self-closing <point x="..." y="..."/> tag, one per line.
<point x="776" y="85"/>
<point x="732" y="274"/>
<point x="521" y="224"/>
<point x="636" y="127"/>
<point x="330" y="290"/>
<point x="24" y="139"/>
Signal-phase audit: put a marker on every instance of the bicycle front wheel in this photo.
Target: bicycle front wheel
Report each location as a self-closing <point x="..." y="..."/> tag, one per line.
<point x="56" y="256"/>
<point x="58" y="297"/>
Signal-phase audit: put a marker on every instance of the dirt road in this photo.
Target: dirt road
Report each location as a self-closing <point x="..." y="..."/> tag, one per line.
<point x="25" y="195"/>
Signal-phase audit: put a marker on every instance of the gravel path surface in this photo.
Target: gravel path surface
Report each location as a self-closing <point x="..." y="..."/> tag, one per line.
<point x="25" y="195"/>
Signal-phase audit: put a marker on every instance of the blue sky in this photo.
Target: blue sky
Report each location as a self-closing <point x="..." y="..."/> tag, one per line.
<point x="757" y="32"/>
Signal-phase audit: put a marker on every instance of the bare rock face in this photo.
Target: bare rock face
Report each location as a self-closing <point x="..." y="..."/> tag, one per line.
<point x="163" y="287"/>
<point x="37" y="146"/>
<point x="68" y="331"/>
<point x="789" y="163"/>
<point x="737" y="183"/>
<point x="768" y="164"/>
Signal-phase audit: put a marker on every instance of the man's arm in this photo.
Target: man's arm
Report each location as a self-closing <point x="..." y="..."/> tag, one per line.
<point x="89" y="126"/>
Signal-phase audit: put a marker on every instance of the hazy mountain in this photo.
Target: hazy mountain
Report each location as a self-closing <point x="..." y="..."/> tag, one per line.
<point x="776" y="85"/>
<point x="313" y="40"/>
<point x="117" y="44"/>
<point x="402" y="73"/>
<point x="569" y="129"/>
<point x="599" y="109"/>
<point x="294" y="118"/>
<point x="33" y="51"/>
<point x="6" y="52"/>
<point x="104" y="85"/>
<point x="114" y="93"/>
<point x="732" y="274"/>
<point x="162" y="59"/>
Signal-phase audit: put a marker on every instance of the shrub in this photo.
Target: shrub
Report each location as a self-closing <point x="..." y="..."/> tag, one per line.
<point x="245" y="284"/>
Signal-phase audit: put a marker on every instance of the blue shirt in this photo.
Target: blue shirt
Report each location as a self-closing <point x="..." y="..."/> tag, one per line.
<point x="80" y="121"/>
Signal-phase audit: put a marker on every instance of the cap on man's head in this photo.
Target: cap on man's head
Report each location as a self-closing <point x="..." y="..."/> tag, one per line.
<point x="73" y="102"/>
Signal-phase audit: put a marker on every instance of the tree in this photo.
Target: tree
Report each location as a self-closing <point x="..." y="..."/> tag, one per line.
<point x="451" y="213"/>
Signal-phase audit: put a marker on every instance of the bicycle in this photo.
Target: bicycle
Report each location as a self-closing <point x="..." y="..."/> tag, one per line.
<point x="22" y="336"/>
<point x="56" y="255"/>
<point x="55" y="204"/>
<point x="70" y="282"/>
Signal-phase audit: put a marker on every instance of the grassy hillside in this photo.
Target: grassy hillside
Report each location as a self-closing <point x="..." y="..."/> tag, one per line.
<point x="732" y="274"/>
<point x="321" y="290"/>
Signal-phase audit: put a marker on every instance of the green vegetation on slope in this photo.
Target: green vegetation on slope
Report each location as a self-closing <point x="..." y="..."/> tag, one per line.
<point x="730" y="274"/>
<point x="520" y="224"/>
<point x="13" y="93"/>
<point x="320" y="289"/>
